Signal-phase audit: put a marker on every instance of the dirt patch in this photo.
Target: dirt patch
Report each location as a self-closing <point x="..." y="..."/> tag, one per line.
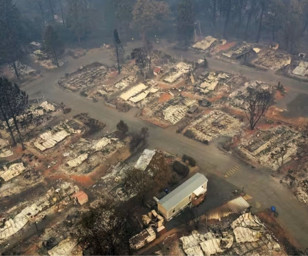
<point x="277" y="114"/>
<point x="298" y="107"/>
<point x="164" y="97"/>
<point x="224" y="47"/>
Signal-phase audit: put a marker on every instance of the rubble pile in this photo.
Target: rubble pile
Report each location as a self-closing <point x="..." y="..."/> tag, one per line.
<point x="65" y="247"/>
<point x="238" y="51"/>
<point x="178" y="71"/>
<point x="10" y="171"/>
<point x="237" y="97"/>
<point x="86" y="77"/>
<point x="271" y="59"/>
<point x="211" y="80"/>
<point x="11" y="226"/>
<point x="51" y="138"/>
<point x="85" y="155"/>
<point x="247" y="234"/>
<point x="301" y="70"/>
<point x="213" y="125"/>
<point x="118" y="86"/>
<point x="144" y="237"/>
<point x="5" y="151"/>
<point x="261" y="147"/>
<point x="175" y="113"/>
<point x="206" y="43"/>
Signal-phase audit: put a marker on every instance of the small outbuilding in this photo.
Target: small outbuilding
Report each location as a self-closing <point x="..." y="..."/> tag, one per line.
<point x="191" y="192"/>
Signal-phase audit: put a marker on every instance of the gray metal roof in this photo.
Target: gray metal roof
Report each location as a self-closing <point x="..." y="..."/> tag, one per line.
<point x="182" y="191"/>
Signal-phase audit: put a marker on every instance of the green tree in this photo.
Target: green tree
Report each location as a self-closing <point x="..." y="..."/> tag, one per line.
<point x="53" y="46"/>
<point x="13" y="102"/>
<point x="11" y="48"/>
<point x="185" y="21"/>
<point x="77" y="18"/>
<point x="148" y="16"/>
<point x="123" y="16"/>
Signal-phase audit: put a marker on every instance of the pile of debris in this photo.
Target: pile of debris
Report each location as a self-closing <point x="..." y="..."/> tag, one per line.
<point x="11" y="170"/>
<point x="237" y="97"/>
<point x="51" y="138"/>
<point x="271" y="148"/>
<point x="239" y="51"/>
<point x="301" y="70"/>
<point x="178" y="71"/>
<point x="271" y="59"/>
<point x="151" y="220"/>
<point x="86" y="155"/>
<point x="210" y="81"/>
<point x="213" y="125"/>
<point x="86" y="77"/>
<point x="206" y="43"/>
<point x="33" y="212"/>
<point x="5" y="151"/>
<point x="246" y="234"/>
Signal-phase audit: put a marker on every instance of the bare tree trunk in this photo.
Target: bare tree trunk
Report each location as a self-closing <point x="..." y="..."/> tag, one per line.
<point x="55" y="57"/>
<point x="18" y="131"/>
<point x="15" y="69"/>
<point x="118" y="59"/>
<point x="52" y="12"/>
<point x="260" y="22"/>
<point x="227" y="18"/>
<point x="214" y="12"/>
<point x="253" y="3"/>
<point x="62" y="13"/>
<point x="8" y="126"/>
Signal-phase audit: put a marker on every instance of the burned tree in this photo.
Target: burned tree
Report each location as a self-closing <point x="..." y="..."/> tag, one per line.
<point x="13" y="102"/>
<point x="122" y="128"/>
<point x="118" y="48"/>
<point x="104" y="230"/>
<point x="148" y="16"/>
<point x="140" y="55"/>
<point x="257" y="103"/>
<point x="279" y="155"/>
<point x="185" y="21"/>
<point x="139" y="139"/>
<point x="11" y="49"/>
<point x="53" y="46"/>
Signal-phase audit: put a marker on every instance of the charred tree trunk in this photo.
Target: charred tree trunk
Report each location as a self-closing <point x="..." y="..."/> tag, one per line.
<point x="249" y="18"/>
<point x="214" y="12"/>
<point x="8" y="126"/>
<point x="228" y="9"/>
<point x="260" y="22"/>
<point x="55" y="56"/>
<point x="118" y="58"/>
<point x="18" y="131"/>
<point x="62" y="13"/>
<point x="52" y="12"/>
<point x="15" y="69"/>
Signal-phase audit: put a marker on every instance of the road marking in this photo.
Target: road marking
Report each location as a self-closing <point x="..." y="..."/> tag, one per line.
<point x="232" y="171"/>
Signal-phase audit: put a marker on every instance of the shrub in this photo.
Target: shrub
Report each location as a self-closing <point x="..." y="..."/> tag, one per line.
<point x="189" y="159"/>
<point x="180" y="168"/>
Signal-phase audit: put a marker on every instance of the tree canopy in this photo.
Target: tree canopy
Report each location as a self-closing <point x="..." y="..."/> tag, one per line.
<point x="148" y="16"/>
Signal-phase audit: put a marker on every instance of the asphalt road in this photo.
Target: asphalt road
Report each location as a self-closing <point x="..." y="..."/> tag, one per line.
<point x="258" y="183"/>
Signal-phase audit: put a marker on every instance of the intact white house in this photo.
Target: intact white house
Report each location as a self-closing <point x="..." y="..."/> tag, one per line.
<point x="192" y="191"/>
